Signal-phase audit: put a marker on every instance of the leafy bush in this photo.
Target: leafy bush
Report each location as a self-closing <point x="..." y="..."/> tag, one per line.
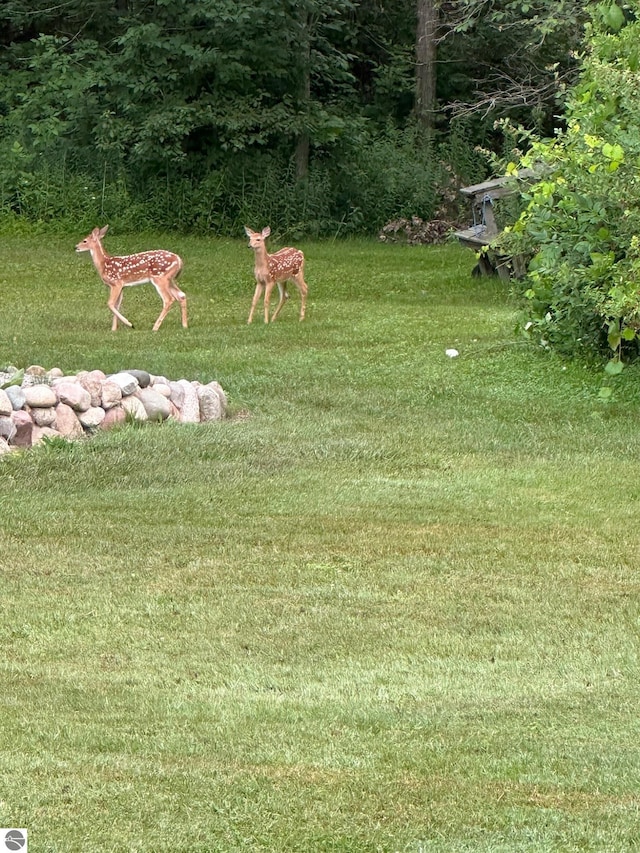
<point x="582" y="220"/>
<point x="355" y="186"/>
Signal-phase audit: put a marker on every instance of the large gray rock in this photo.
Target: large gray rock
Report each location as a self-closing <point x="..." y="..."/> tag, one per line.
<point x="127" y="383"/>
<point x="144" y="378"/>
<point x="17" y="397"/>
<point x="157" y="407"/>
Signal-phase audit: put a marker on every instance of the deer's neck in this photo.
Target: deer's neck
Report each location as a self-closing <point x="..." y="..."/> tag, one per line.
<point x="261" y="258"/>
<point x="99" y="256"/>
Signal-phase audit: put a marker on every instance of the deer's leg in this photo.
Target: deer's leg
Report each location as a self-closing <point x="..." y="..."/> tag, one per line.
<point x="163" y="286"/>
<point x="182" y="299"/>
<point x="267" y="298"/>
<point x="303" y="288"/>
<point x="114" y="324"/>
<point x="115" y="298"/>
<point x="282" y="288"/>
<point x="256" y="297"/>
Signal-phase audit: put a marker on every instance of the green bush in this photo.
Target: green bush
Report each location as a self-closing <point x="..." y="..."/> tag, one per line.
<point x="362" y="182"/>
<point x="582" y="220"/>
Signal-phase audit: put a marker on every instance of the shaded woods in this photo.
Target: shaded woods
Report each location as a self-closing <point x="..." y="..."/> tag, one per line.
<point x="327" y="117"/>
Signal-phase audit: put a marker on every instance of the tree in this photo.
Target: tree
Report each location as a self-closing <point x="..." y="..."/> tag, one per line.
<point x="517" y="54"/>
<point x="426" y="63"/>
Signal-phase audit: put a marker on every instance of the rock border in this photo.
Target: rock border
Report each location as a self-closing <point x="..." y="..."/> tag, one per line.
<point x="36" y="404"/>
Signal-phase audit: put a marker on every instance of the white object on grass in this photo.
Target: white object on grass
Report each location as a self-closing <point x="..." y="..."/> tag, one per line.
<point x="452" y="353"/>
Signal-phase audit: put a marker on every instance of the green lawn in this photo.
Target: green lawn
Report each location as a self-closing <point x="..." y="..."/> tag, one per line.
<point x="391" y="604"/>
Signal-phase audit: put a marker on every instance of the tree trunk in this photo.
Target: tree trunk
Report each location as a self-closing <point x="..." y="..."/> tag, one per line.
<point x="302" y="142"/>
<point x="426" y="58"/>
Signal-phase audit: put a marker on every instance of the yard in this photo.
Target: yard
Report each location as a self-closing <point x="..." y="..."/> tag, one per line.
<point x="390" y="604"/>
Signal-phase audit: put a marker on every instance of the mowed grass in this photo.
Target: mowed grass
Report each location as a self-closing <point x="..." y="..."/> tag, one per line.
<point x="390" y="604"/>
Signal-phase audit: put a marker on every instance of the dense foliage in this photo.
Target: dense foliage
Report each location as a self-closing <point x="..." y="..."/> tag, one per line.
<point x="201" y="116"/>
<point x="582" y="221"/>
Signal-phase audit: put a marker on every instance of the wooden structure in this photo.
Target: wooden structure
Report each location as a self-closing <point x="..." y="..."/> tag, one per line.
<point x="484" y="230"/>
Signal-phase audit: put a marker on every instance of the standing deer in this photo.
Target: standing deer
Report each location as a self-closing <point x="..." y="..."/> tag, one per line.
<point x="159" y="267"/>
<point x="279" y="268"/>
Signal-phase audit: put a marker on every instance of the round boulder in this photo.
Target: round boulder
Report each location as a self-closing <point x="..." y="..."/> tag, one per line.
<point x="156" y="405"/>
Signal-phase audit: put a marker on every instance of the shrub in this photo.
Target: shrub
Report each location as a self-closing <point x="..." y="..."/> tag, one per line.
<point x="582" y="219"/>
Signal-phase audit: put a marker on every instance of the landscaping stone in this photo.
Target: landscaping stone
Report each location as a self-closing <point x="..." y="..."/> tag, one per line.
<point x="111" y="394"/>
<point x="162" y="388"/>
<point x="8" y="374"/>
<point x="40" y="396"/>
<point x="40" y="404"/>
<point x="92" y="417"/>
<point x="190" y="407"/>
<point x="155" y="404"/>
<point x="67" y="423"/>
<point x="6" y="406"/>
<point x="43" y="416"/>
<point x="24" y="429"/>
<point x="144" y="378"/>
<point x="93" y="385"/>
<point x="210" y="403"/>
<point x="40" y="433"/>
<point x="113" y="416"/>
<point x="73" y="394"/>
<point x="126" y="382"/>
<point x="134" y="408"/>
<point x="17" y="397"/>
<point x="7" y="428"/>
<point x="177" y="393"/>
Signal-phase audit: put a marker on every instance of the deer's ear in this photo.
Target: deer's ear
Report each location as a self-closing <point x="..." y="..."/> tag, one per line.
<point x="266" y="231"/>
<point x="103" y="231"/>
<point x="248" y="231"/>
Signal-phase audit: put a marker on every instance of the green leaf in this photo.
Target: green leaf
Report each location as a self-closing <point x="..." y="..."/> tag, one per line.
<point x="16" y="379"/>
<point x="614" y="17"/>
<point x="613" y="152"/>
<point x="614" y="339"/>
<point x="614" y="367"/>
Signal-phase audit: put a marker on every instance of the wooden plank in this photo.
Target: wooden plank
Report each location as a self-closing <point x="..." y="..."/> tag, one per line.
<point x="474" y="237"/>
<point x="486" y="186"/>
<point x="508" y="182"/>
